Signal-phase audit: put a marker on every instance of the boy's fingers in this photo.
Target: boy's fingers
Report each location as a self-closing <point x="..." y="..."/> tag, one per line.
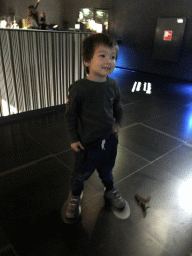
<point x="76" y="146"/>
<point x="81" y="146"/>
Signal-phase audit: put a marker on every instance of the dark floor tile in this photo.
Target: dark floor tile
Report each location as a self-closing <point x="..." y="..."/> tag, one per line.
<point x="177" y="163"/>
<point x="68" y="158"/>
<point x="177" y="123"/>
<point x="139" y="113"/>
<point x="18" y="150"/>
<point x="146" y="142"/>
<point x="126" y="122"/>
<point x="125" y="99"/>
<point x="30" y="194"/>
<point x="166" y="105"/>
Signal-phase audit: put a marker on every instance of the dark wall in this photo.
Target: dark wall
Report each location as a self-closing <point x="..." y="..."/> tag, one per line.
<point x="135" y="23"/>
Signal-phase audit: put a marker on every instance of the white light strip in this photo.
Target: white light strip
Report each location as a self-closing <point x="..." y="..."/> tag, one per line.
<point x="146" y="87"/>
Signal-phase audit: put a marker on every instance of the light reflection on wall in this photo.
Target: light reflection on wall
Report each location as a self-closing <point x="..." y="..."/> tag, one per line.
<point x="123" y="56"/>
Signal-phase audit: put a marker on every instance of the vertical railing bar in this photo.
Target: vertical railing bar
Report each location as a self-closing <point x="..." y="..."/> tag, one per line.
<point x="57" y="73"/>
<point x="64" y="68"/>
<point x="70" y="58"/>
<point x="53" y="66"/>
<point x="36" y="53"/>
<point x="13" y="71"/>
<point x="60" y="68"/>
<point x="76" y="57"/>
<point x="48" y="71"/>
<point x="31" y="44"/>
<point x="67" y="62"/>
<point x="27" y="44"/>
<point x="33" y="72"/>
<point x="1" y="105"/>
<point x="80" y="55"/>
<point x="40" y="69"/>
<point x="44" y="68"/>
<point x="22" y="49"/>
<point x="82" y="65"/>
<point x="5" y="80"/>
<point x="21" y="68"/>
<point x="73" y="58"/>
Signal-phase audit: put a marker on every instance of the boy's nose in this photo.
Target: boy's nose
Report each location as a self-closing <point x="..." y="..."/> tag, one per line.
<point x="108" y="60"/>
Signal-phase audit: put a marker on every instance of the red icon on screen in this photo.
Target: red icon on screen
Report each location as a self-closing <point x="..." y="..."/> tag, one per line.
<point x="167" y="35"/>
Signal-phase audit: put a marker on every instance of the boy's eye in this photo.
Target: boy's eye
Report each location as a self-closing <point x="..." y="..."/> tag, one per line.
<point x="102" y="55"/>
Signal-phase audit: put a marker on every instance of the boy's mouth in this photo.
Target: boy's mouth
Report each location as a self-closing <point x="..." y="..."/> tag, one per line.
<point x="108" y="68"/>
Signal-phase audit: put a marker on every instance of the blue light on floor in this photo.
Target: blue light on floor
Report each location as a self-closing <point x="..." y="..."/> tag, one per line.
<point x="188" y="122"/>
<point x="184" y="89"/>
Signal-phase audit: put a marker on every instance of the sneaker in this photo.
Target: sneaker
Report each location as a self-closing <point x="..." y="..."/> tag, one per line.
<point x="114" y="197"/>
<point x="73" y="209"/>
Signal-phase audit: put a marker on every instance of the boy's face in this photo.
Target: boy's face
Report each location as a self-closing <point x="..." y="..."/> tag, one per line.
<point x="102" y="64"/>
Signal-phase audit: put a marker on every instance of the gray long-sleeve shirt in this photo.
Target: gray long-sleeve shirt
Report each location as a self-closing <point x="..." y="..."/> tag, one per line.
<point x="92" y="110"/>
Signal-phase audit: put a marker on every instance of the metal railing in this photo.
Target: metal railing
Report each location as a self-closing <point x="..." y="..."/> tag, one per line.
<point x="37" y="68"/>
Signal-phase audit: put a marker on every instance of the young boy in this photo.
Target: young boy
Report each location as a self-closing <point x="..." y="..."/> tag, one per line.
<point x="93" y="118"/>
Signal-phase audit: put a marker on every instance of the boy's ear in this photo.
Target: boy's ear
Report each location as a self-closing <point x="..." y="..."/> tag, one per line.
<point x="86" y="63"/>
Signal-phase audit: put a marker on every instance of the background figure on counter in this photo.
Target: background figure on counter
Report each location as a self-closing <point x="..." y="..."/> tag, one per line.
<point x="42" y="23"/>
<point x="32" y="16"/>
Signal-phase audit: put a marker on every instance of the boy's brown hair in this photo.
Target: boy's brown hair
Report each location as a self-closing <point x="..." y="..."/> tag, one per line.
<point x="91" y="42"/>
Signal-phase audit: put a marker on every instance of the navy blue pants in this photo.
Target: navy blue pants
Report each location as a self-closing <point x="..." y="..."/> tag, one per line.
<point x="100" y="156"/>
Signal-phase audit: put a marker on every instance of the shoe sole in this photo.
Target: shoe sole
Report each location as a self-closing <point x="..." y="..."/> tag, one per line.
<point x="124" y="213"/>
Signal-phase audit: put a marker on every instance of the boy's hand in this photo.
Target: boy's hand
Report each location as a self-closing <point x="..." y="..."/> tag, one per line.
<point x="116" y="129"/>
<point x="76" y="146"/>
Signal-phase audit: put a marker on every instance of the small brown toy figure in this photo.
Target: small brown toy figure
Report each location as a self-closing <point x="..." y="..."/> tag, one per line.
<point x="143" y="202"/>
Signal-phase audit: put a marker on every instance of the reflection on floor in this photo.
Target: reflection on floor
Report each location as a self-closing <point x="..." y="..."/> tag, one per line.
<point x="154" y="159"/>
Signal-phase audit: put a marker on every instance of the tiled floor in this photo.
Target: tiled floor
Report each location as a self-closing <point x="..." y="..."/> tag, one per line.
<point x="154" y="159"/>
